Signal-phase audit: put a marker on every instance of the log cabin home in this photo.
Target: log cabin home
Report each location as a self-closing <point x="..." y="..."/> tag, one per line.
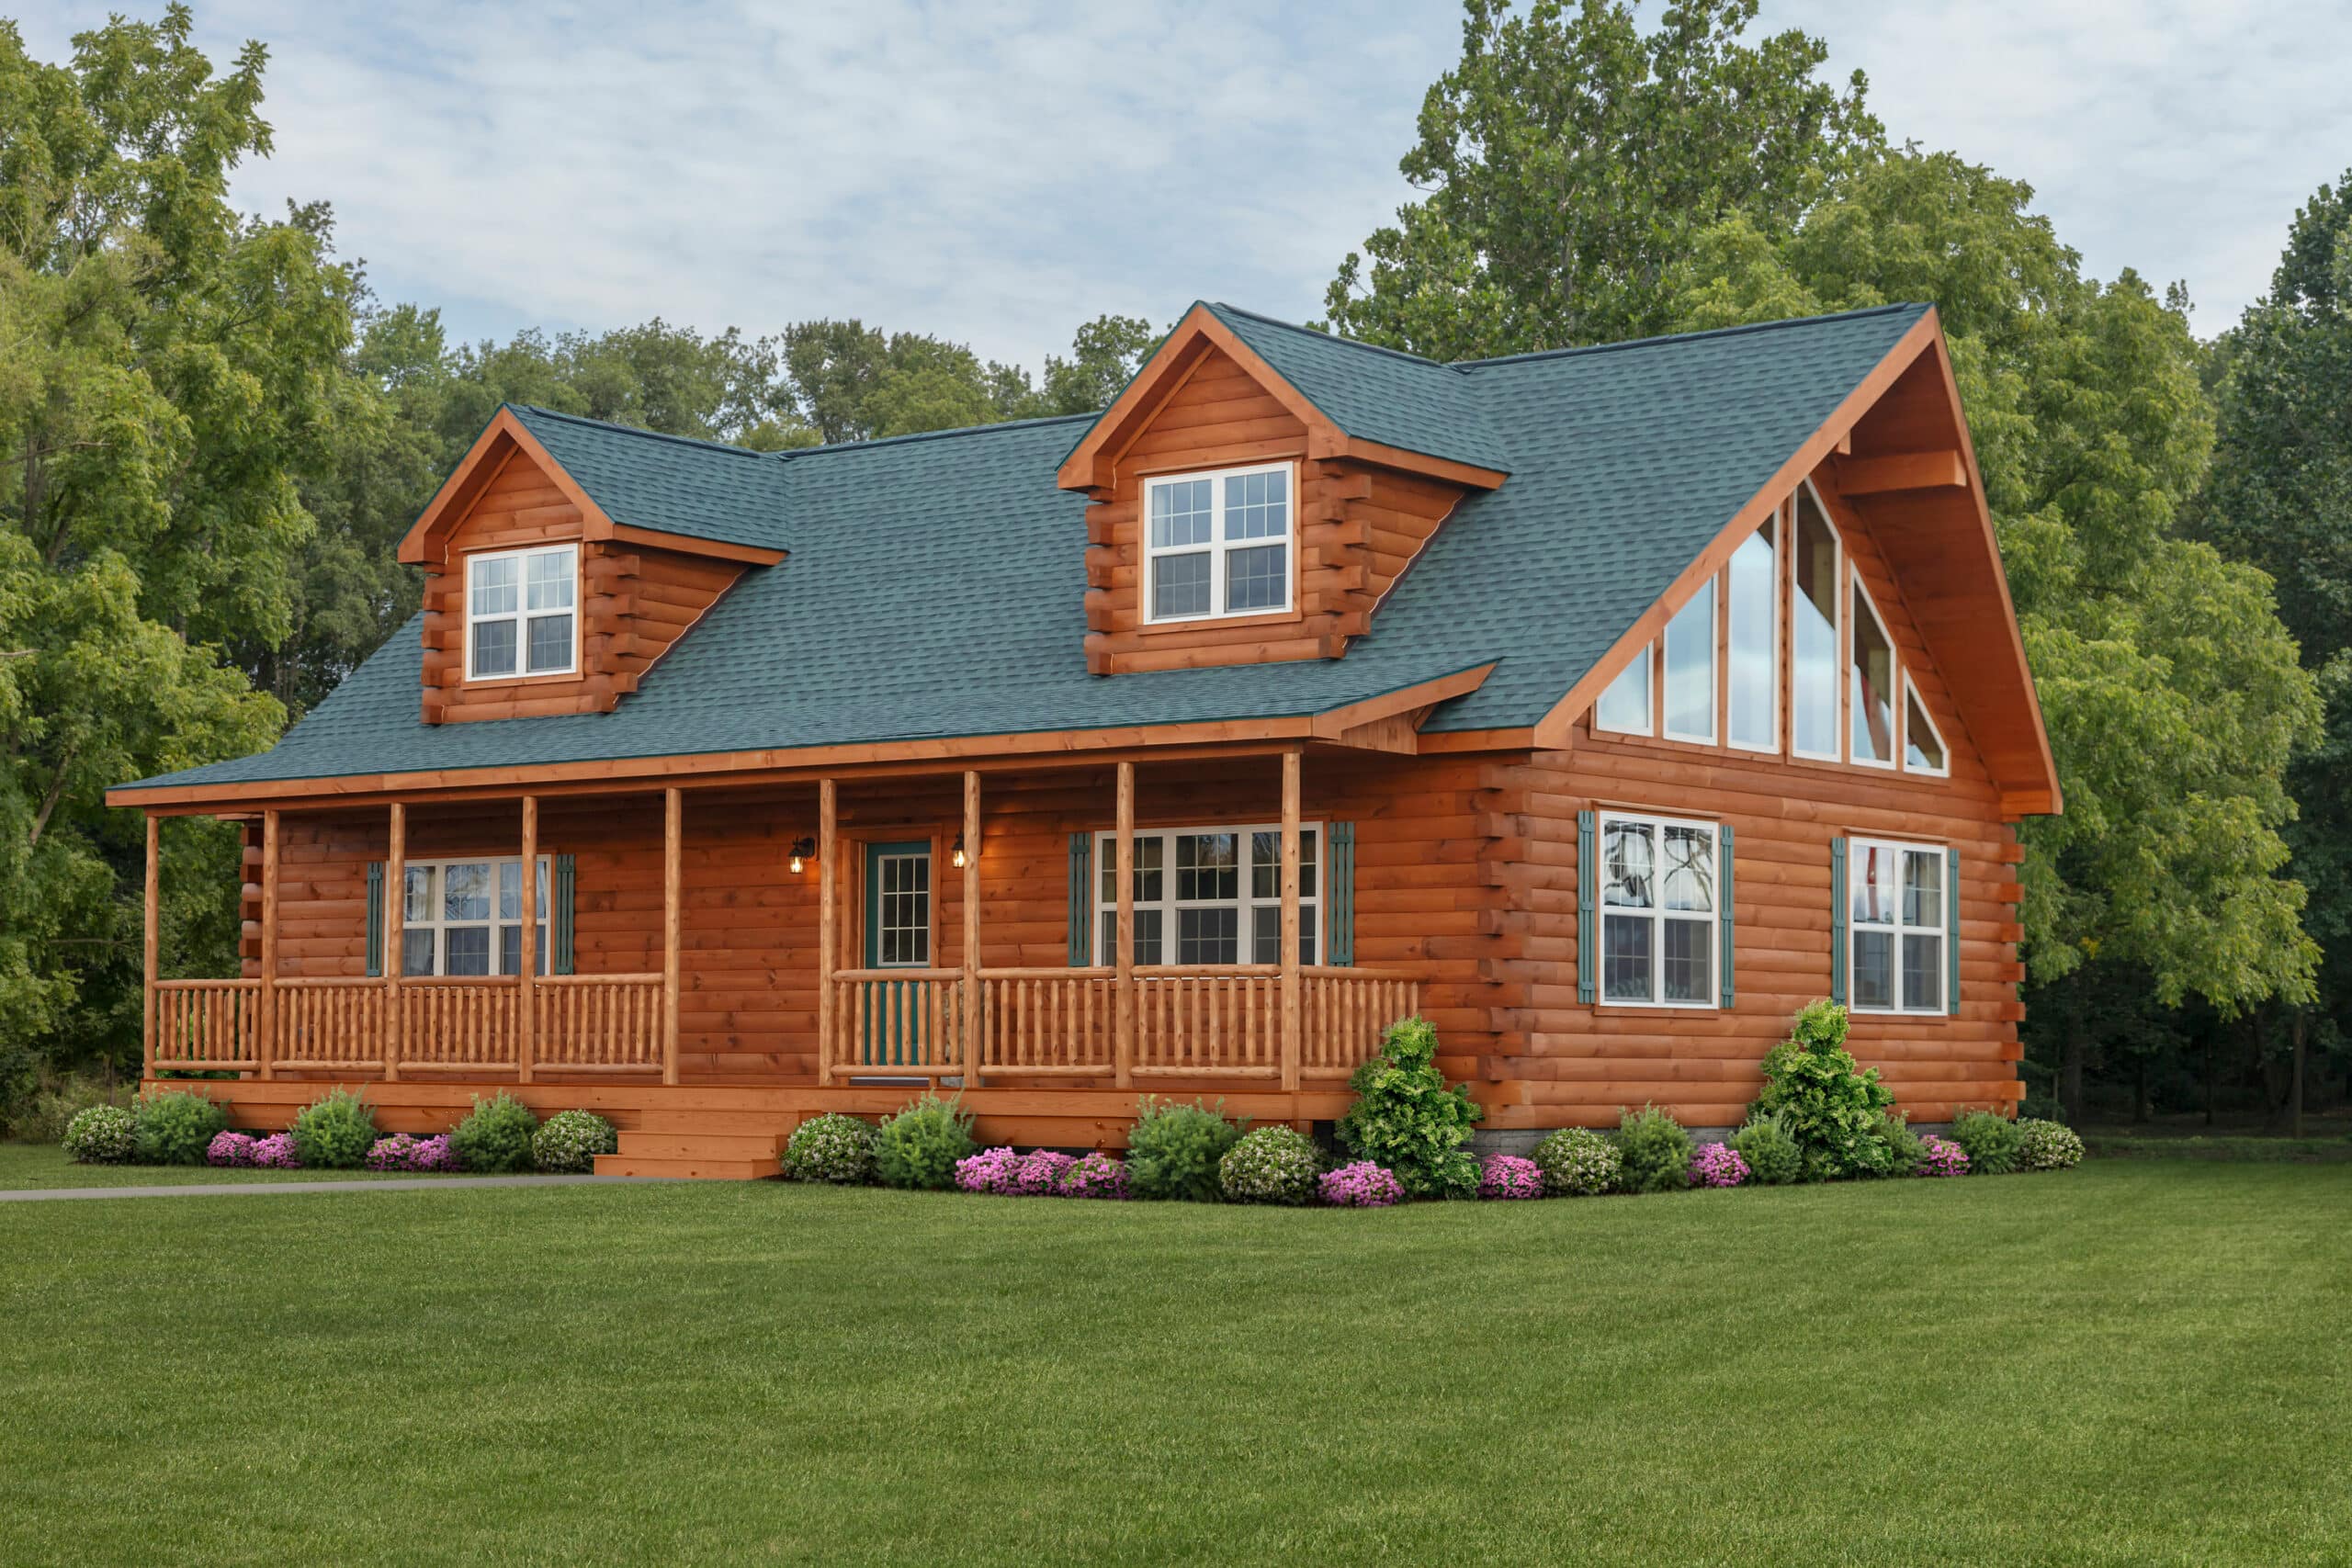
<point x="1602" y="705"/>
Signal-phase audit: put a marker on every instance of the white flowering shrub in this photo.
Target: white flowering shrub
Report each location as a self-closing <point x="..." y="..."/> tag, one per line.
<point x="1578" y="1162"/>
<point x="570" y="1140"/>
<point x="104" y="1135"/>
<point x="832" y="1147"/>
<point x="1272" y="1164"/>
<point x="2047" y="1146"/>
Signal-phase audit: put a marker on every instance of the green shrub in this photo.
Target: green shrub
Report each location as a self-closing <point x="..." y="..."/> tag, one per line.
<point x="920" y="1146"/>
<point x="102" y="1134"/>
<point x="1272" y="1164"/>
<point x="19" y="1082"/>
<point x="177" y="1128"/>
<point x="1656" y="1150"/>
<point x="1993" y="1142"/>
<point x="1407" y="1120"/>
<point x="496" y="1136"/>
<point x="1770" y="1150"/>
<point x="335" y="1130"/>
<point x="1577" y="1162"/>
<point x="570" y="1140"/>
<point x="2047" y="1146"/>
<point x="1174" y="1151"/>
<point x="1835" y="1113"/>
<point x="832" y="1147"/>
<point x="1905" y="1151"/>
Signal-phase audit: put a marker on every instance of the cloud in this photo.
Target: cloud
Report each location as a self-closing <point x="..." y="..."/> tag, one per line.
<point x="1000" y="170"/>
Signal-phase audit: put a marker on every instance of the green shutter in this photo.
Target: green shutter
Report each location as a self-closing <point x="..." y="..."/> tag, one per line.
<point x="1838" y="920"/>
<point x="1082" y="898"/>
<point x="1723" y="905"/>
<point x="1339" y="893"/>
<point x="1951" y="933"/>
<point x="1585" y="874"/>
<point x="559" y="899"/>
<point x="374" y="919"/>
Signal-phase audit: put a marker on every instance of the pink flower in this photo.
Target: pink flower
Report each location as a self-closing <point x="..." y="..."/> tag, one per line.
<point x="1942" y="1156"/>
<point x="1097" y="1175"/>
<point x="1040" y="1174"/>
<point x="232" y="1149"/>
<point x="1509" y="1176"/>
<point x="1717" y="1165"/>
<point x="277" y="1153"/>
<point x="990" y="1170"/>
<point x="1362" y="1185"/>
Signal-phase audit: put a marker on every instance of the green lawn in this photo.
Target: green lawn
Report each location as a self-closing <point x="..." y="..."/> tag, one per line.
<point x="25" y="1167"/>
<point x="2134" y="1363"/>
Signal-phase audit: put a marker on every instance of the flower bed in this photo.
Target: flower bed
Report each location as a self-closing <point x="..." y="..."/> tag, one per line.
<point x="403" y="1152"/>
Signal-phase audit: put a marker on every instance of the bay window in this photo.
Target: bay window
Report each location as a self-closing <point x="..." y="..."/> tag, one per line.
<point x="1206" y="896"/>
<point x="1896" y="924"/>
<point x="1658" y="911"/>
<point x="465" y="916"/>
<point x="1217" y="544"/>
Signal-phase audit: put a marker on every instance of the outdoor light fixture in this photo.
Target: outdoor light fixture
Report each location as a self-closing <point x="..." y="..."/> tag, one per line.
<point x="802" y="848"/>
<point x="955" y="855"/>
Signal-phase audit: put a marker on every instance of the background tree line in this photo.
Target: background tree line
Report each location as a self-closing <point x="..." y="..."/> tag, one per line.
<point x="212" y="435"/>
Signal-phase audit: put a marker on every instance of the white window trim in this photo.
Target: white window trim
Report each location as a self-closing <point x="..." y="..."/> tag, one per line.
<point x="1842" y="652"/>
<point x="1657" y="914"/>
<point x="1902" y="747"/>
<point x="1895" y="668"/>
<point x="1219" y="550"/>
<point x="1778" y="525"/>
<point x="397" y="961"/>
<point x="1943" y="953"/>
<point x="521" y="615"/>
<point x="1106" y="849"/>
<point x="1646" y="661"/>
<point x="1713" y="588"/>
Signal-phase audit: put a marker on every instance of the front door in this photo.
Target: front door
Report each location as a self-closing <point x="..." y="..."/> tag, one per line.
<point x="898" y="936"/>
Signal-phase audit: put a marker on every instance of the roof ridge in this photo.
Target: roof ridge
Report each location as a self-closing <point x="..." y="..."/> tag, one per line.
<point x="1333" y="336"/>
<point x="788" y="453"/>
<point x="634" y="429"/>
<point x="1745" y="327"/>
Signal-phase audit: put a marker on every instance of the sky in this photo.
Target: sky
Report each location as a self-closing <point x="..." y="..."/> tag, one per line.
<point x="999" y="171"/>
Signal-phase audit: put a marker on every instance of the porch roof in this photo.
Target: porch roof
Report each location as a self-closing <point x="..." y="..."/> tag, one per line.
<point x="935" y="584"/>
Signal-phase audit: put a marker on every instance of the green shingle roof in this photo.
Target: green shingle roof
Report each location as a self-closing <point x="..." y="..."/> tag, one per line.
<point x="935" y="584"/>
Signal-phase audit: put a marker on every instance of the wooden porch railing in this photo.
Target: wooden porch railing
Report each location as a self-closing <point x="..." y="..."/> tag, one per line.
<point x="598" y="1024"/>
<point x="1206" y="1020"/>
<point x="207" y="1025"/>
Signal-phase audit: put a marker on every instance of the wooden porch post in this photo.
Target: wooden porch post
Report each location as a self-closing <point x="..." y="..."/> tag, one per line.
<point x="1123" y="1062"/>
<point x="152" y="950"/>
<point x="526" y="1037"/>
<point x="826" y="810"/>
<point x="672" y="834"/>
<point x="393" y="959"/>
<point x="1290" y="921"/>
<point x="266" y="1019"/>
<point x="972" y="1032"/>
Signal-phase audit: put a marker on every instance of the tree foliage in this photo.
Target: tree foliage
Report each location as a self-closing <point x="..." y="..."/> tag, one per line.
<point x="1570" y="160"/>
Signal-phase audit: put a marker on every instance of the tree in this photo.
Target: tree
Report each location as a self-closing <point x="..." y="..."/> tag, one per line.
<point x="170" y="370"/>
<point x="2280" y="497"/>
<point x="1570" y="161"/>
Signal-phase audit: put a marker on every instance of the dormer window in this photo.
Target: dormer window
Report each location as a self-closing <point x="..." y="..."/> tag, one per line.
<point x="1218" y="544"/>
<point x="519" y="613"/>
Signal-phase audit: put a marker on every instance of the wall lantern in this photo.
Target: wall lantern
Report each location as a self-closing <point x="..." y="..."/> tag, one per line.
<point x="802" y="848"/>
<point x="955" y="855"/>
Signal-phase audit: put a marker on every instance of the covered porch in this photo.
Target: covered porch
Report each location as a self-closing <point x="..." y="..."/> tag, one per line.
<point x="843" y="941"/>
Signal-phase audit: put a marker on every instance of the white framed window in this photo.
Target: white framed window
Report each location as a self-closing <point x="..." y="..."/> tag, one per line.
<point x="465" y="916"/>
<point x="1658" y="911"/>
<point x="1690" y="669"/>
<point x="1816" y="626"/>
<point x="1218" y="544"/>
<point x="1207" y="895"/>
<point x="1752" y="638"/>
<point x="1895" y="926"/>
<point x="522" y="612"/>
<point x="1624" y="708"/>
<point x="1869" y="707"/>
<point x="1923" y="743"/>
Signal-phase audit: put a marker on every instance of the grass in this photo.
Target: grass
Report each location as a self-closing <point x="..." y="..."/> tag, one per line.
<point x="2120" y="1145"/>
<point x="2134" y="1362"/>
<point x="28" y="1167"/>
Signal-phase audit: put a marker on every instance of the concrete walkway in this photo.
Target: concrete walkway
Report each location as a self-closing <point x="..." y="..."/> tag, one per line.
<point x="417" y="1184"/>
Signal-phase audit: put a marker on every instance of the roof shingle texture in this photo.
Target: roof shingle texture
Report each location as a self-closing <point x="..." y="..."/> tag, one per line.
<point x="935" y="584"/>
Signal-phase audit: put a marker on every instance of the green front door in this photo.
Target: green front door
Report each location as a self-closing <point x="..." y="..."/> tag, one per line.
<point x="898" y="936"/>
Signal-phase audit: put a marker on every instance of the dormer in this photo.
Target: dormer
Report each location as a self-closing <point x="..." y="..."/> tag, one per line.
<point x="1258" y="488"/>
<point x="538" y="598"/>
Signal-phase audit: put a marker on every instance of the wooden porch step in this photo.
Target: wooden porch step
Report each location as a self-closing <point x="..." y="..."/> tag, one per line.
<point x="697" y="1168"/>
<point x="719" y="1145"/>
